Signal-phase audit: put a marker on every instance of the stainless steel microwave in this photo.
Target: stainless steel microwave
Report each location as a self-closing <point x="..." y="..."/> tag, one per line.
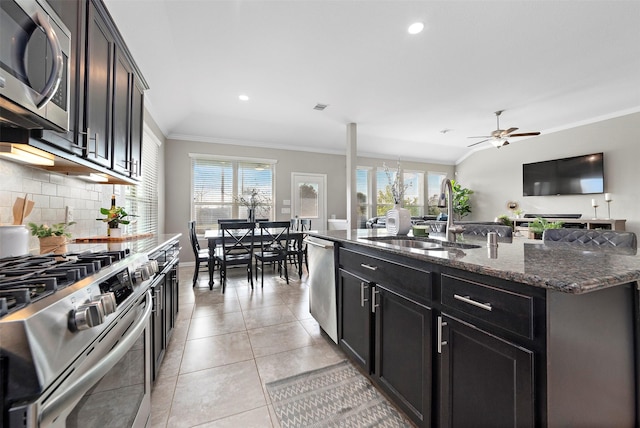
<point x="35" y="48"/>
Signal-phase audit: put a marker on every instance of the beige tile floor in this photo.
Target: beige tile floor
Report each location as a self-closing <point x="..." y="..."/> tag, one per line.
<point x="225" y="347"/>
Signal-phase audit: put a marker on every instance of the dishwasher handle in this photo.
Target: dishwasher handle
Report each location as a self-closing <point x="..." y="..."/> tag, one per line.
<point x="317" y="244"/>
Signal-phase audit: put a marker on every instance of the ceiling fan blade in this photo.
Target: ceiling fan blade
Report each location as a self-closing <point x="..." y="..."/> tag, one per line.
<point x="525" y="134"/>
<point x="482" y="136"/>
<point x="508" y="131"/>
<point x="479" y="142"/>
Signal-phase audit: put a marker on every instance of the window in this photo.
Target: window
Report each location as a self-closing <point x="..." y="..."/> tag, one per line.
<point x="363" y="189"/>
<point x="384" y="199"/>
<point x="216" y="183"/>
<point x="414" y="194"/>
<point x="434" y="180"/>
<point x="142" y="199"/>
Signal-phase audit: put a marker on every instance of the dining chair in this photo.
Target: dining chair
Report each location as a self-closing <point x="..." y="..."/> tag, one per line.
<point x="236" y="249"/>
<point x="297" y="249"/>
<point x="201" y="255"/>
<point x="274" y="241"/>
<point x="231" y="220"/>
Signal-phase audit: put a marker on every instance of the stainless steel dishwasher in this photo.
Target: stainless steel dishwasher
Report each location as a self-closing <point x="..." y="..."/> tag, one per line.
<point x="322" y="285"/>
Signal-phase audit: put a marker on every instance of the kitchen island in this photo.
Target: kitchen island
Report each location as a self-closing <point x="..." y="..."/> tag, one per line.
<point x="523" y="334"/>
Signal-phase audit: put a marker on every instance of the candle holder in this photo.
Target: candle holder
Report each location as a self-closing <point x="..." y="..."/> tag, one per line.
<point x="595" y="211"/>
<point x="608" y="200"/>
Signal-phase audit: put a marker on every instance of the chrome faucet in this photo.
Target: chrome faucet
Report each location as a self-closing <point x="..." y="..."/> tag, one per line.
<point x="446" y="200"/>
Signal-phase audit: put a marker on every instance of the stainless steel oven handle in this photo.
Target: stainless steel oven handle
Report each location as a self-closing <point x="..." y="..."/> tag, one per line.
<point x="51" y="410"/>
<point x="51" y="86"/>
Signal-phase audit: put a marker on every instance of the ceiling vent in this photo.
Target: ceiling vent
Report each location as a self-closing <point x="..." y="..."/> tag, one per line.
<point x="320" y="106"/>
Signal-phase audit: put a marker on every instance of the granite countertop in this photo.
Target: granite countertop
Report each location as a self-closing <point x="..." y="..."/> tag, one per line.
<point x="145" y="245"/>
<point x="556" y="266"/>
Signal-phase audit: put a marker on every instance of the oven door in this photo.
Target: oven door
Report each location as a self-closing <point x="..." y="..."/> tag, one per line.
<point x="110" y="384"/>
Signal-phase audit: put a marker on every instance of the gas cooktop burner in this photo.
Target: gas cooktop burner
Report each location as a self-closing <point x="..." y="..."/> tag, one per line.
<point x="24" y="280"/>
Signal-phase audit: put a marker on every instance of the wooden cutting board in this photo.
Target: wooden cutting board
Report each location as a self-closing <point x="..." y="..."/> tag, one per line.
<point x="112" y="238"/>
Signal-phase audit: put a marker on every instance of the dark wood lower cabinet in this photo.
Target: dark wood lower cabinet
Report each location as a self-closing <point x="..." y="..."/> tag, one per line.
<point x="485" y="381"/>
<point x="389" y="336"/>
<point x="355" y="321"/>
<point x="403" y="353"/>
<point x="158" y="342"/>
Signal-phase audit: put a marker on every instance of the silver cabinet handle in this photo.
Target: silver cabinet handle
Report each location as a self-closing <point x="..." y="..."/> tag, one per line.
<point x="363" y="286"/>
<point x="441" y="342"/>
<point x="53" y="81"/>
<point x="374" y="305"/>
<point x="95" y="139"/>
<point x="469" y="300"/>
<point x="366" y="266"/>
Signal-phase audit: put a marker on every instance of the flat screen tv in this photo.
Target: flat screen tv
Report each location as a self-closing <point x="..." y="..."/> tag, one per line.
<point x="578" y="175"/>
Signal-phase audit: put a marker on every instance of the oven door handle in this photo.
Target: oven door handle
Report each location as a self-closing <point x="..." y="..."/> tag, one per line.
<point x="51" y="410"/>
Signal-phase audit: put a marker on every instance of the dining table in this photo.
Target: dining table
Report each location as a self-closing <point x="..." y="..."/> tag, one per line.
<point x="214" y="238"/>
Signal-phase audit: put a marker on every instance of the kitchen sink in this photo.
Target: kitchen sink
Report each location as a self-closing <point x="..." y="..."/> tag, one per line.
<point x="423" y="244"/>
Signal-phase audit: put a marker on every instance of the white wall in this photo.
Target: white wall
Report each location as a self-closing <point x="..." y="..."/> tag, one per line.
<point x="178" y="177"/>
<point x="495" y="175"/>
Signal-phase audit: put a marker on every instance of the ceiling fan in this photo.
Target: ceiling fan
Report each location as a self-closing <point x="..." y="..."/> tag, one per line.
<point x="499" y="137"/>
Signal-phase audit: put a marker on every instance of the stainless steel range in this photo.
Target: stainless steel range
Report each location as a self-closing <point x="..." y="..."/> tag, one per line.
<point x="75" y="340"/>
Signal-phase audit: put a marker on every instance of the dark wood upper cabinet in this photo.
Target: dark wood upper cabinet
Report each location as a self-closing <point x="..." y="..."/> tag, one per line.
<point x="106" y="93"/>
<point x="98" y="95"/>
<point x="121" y="113"/>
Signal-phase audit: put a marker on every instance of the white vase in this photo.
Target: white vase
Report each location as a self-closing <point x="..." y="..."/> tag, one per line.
<point x="115" y="232"/>
<point x="398" y="220"/>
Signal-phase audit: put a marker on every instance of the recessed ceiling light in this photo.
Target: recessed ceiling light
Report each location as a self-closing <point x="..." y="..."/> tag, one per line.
<point x="243" y="97"/>
<point x="415" y="28"/>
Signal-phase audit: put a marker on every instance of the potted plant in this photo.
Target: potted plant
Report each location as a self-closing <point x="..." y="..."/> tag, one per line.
<point x="461" y="201"/>
<point x="53" y="239"/>
<point x="504" y="219"/>
<point x="253" y="199"/>
<point x="115" y="217"/>
<point x="539" y="225"/>
<point x="398" y="221"/>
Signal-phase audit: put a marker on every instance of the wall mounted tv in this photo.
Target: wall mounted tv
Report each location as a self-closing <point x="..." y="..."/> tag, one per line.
<point x="578" y="175"/>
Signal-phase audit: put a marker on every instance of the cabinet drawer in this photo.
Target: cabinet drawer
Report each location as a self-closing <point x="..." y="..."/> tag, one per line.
<point x="407" y="280"/>
<point x="505" y="309"/>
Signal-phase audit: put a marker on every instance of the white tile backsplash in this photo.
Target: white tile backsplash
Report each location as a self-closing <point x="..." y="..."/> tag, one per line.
<point x="52" y="193"/>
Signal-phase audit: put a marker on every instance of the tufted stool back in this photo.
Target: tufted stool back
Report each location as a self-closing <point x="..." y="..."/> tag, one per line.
<point x="590" y="237"/>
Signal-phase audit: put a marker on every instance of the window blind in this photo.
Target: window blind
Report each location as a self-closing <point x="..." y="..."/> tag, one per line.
<point x="216" y="183"/>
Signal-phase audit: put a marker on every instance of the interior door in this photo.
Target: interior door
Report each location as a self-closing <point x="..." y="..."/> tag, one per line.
<point x="309" y="198"/>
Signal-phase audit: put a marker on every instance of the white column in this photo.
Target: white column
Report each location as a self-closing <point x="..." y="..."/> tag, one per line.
<point x="352" y="163"/>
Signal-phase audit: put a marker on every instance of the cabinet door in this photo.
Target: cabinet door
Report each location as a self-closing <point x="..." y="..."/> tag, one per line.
<point x="485" y="381"/>
<point x="98" y="74"/>
<point x="122" y="81"/>
<point x="403" y="353"/>
<point x="354" y="326"/>
<point x="137" y="121"/>
<point x="158" y="326"/>
<point x="169" y="297"/>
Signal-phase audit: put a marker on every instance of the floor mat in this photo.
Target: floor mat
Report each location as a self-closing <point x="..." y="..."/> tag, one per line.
<point x="333" y="396"/>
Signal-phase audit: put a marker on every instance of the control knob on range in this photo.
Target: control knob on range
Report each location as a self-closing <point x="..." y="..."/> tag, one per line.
<point x="141" y="274"/>
<point x="108" y="301"/>
<point x="87" y="316"/>
<point x="153" y="265"/>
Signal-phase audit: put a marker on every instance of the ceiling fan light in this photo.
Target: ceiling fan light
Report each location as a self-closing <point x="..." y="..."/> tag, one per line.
<point x="498" y="142"/>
